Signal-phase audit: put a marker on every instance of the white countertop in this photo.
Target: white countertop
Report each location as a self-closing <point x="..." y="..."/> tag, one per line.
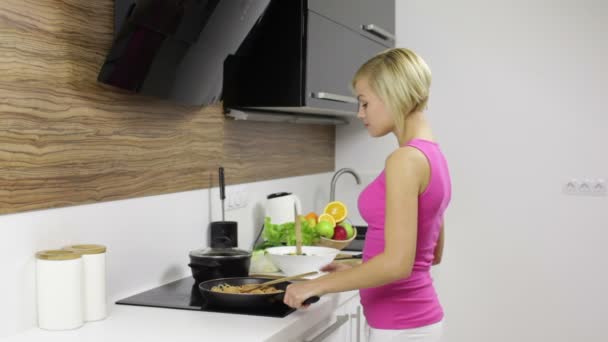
<point x="149" y="324"/>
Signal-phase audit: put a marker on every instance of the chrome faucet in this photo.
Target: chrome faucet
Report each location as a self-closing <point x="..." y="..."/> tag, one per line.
<point x="334" y="180"/>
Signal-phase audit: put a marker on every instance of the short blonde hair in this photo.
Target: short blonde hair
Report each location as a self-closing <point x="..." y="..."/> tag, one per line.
<point x="400" y="78"/>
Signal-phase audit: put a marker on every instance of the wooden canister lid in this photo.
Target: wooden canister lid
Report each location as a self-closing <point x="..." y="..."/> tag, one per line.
<point x="57" y="254"/>
<point x="87" y="249"/>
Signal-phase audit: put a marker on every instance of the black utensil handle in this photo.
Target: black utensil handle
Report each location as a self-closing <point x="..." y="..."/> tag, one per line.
<point x="311" y="300"/>
<point x="222" y="192"/>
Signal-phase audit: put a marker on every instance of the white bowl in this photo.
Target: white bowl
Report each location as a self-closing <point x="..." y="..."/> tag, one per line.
<point x="291" y="264"/>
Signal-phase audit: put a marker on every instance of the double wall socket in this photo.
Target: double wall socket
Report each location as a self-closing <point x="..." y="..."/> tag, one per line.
<point x="585" y="187"/>
<point x="236" y="197"/>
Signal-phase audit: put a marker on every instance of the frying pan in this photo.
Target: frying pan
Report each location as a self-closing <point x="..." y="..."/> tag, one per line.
<point x="245" y="301"/>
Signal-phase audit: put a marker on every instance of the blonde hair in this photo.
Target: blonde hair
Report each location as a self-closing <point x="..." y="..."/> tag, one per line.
<point x="400" y="78"/>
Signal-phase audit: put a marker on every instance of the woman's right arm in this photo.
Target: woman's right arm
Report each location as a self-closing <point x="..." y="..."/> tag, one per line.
<point x="439" y="247"/>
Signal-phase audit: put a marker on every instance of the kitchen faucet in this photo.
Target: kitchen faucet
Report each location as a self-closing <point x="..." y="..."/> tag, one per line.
<point x="334" y="180"/>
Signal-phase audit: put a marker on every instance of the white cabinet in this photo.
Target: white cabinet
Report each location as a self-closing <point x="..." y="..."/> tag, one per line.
<point x="357" y="321"/>
<point x="345" y="324"/>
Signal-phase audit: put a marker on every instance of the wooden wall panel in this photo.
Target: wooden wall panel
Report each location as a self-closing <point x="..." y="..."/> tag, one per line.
<point x="66" y="139"/>
<point x="261" y="150"/>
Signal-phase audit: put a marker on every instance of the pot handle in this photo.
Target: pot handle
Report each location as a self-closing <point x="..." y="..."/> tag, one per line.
<point x="204" y="263"/>
<point x="197" y="266"/>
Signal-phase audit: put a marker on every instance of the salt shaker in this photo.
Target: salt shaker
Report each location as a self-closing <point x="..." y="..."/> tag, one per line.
<point x="93" y="279"/>
<point x="59" y="290"/>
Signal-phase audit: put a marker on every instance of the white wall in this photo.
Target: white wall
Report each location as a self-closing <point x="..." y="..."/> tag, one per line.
<point x="148" y="238"/>
<point x="518" y="104"/>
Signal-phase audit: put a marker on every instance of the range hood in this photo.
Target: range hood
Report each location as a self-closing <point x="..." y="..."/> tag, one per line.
<point x="269" y="60"/>
<point x="176" y="49"/>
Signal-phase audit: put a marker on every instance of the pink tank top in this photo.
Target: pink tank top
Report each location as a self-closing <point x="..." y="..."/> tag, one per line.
<point x="410" y="302"/>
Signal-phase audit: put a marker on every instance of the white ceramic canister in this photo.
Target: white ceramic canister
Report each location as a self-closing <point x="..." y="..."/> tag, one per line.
<point x="280" y="207"/>
<point x="59" y="290"/>
<point x="93" y="280"/>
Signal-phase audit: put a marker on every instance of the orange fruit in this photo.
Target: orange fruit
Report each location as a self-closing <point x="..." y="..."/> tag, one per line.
<point x="311" y="215"/>
<point x="336" y="209"/>
<point x="327" y="218"/>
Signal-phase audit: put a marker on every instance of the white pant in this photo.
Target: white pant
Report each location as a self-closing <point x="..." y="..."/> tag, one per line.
<point x="428" y="333"/>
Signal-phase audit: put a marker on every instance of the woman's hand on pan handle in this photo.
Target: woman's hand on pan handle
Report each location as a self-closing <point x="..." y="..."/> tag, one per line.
<point x="335" y="267"/>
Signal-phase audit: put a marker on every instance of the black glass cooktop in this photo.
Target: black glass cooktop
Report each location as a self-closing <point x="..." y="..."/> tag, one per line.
<point x="184" y="294"/>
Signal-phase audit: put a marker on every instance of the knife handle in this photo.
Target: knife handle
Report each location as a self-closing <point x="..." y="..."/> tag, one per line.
<point x="222" y="190"/>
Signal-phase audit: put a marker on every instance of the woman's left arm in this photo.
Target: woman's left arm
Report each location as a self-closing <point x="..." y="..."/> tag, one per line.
<point x="406" y="172"/>
<point x="438" y="254"/>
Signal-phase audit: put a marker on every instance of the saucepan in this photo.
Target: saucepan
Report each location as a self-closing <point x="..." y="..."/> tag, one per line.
<point x="245" y="301"/>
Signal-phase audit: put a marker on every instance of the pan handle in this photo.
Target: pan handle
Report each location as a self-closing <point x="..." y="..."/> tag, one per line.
<point x="311" y="300"/>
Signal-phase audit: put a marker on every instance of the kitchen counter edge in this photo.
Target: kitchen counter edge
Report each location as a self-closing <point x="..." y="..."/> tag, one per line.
<point x="161" y="324"/>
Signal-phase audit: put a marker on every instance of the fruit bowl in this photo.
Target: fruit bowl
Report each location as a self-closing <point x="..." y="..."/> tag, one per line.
<point x="337" y="244"/>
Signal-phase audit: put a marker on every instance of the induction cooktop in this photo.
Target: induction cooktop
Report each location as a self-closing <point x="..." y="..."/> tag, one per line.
<point x="184" y="294"/>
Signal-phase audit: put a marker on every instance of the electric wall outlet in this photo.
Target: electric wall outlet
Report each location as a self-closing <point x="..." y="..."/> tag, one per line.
<point x="571" y="187"/>
<point x="236" y="197"/>
<point x="585" y="187"/>
<point x="598" y="187"/>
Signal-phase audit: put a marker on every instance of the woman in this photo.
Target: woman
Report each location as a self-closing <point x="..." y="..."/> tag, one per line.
<point x="403" y="207"/>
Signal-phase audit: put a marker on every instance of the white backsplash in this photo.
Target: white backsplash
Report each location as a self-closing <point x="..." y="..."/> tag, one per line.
<point x="148" y="238"/>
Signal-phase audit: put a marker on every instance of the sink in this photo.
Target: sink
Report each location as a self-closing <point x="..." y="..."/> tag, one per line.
<point x="361" y="230"/>
<point x="357" y="244"/>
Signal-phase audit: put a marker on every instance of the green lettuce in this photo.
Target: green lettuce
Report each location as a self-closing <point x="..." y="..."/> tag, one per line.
<point x="285" y="234"/>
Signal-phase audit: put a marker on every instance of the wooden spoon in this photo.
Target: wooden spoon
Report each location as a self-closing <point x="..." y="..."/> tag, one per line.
<point x="298" y="227"/>
<point x="251" y="287"/>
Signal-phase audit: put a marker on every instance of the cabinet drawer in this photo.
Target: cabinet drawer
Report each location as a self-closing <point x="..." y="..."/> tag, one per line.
<point x="374" y="19"/>
<point x="334" y="53"/>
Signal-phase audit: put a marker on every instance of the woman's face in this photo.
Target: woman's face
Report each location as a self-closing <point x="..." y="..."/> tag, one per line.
<point x="372" y="111"/>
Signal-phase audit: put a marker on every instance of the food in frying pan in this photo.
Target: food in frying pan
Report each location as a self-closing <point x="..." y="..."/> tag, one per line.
<point x="240" y="289"/>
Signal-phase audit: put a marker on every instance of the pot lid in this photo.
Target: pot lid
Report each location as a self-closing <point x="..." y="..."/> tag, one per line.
<point x="219" y="253"/>
<point x="278" y="194"/>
